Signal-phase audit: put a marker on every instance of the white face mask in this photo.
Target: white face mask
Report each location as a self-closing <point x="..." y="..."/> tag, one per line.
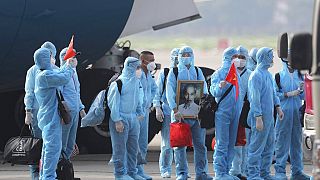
<point x="236" y="62"/>
<point x="151" y="66"/>
<point x="243" y="63"/>
<point x="138" y="73"/>
<point x="53" y="61"/>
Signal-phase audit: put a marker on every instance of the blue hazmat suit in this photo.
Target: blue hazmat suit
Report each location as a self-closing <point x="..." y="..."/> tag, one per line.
<point x="32" y="104"/>
<point x="252" y="60"/>
<point x="239" y="163"/>
<point x="71" y="94"/>
<point x="226" y="118"/>
<point x="125" y="107"/>
<point x="262" y="99"/>
<point x="289" y="130"/>
<point x="198" y="133"/>
<point x="166" y="154"/>
<point x="149" y="90"/>
<point x="46" y="83"/>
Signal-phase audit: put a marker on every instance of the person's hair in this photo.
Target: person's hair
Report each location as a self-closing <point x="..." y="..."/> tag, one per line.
<point x="186" y="87"/>
<point x="146" y="53"/>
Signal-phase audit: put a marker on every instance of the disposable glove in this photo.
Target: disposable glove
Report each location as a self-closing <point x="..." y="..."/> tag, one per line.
<point x="259" y="123"/>
<point x="119" y="126"/>
<point x="28" y="118"/>
<point x="159" y="114"/>
<point x="72" y="62"/>
<point x="83" y="113"/>
<point x="293" y="93"/>
<point x="140" y="118"/>
<point x="178" y="116"/>
<point x="280" y="113"/>
<point x="222" y="84"/>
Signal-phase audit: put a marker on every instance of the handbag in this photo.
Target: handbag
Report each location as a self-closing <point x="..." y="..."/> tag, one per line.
<point x="65" y="169"/>
<point x="23" y="150"/>
<point x="63" y="109"/>
<point x="180" y="135"/>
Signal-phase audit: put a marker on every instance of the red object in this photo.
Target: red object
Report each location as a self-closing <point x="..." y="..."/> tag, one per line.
<point x="308" y="93"/>
<point x="180" y="135"/>
<point x="70" y="52"/>
<point x="232" y="78"/>
<point x="241" y="136"/>
<point x="213" y="143"/>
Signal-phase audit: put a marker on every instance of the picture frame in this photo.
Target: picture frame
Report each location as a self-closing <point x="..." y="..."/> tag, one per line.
<point x="189" y="93"/>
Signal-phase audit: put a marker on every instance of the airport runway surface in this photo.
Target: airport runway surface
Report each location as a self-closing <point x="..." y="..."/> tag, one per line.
<point x="95" y="167"/>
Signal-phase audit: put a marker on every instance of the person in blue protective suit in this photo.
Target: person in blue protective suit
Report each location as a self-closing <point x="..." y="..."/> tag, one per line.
<point x="31" y="104"/>
<point x="252" y="60"/>
<point x="149" y="90"/>
<point x="126" y="109"/>
<point x="47" y="82"/>
<point x="239" y="163"/>
<point x="187" y="71"/>
<point x="226" y="117"/>
<point x="262" y="99"/>
<point x="289" y="130"/>
<point x="71" y="94"/>
<point x="163" y="114"/>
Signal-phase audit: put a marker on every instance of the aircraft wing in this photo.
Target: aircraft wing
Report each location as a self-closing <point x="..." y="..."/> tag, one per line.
<point x="158" y="14"/>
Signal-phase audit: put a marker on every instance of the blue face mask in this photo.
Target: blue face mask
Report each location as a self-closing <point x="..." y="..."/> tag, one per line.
<point x="186" y="60"/>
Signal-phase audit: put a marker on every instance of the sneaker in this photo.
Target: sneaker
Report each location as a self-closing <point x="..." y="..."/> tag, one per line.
<point x="145" y="176"/>
<point x="136" y="177"/>
<point x="166" y="175"/>
<point x="123" y="177"/>
<point x="204" y="176"/>
<point x="241" y="177"/>
<point x="300" y="176"/>
<point x="182" y="177"/>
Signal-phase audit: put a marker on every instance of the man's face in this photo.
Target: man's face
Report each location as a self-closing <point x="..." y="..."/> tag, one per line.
<point x="146" y="59"/>
<point x="190" y="94"/>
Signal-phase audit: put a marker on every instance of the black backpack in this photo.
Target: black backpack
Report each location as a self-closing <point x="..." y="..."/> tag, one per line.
<point x="64" y="168"/>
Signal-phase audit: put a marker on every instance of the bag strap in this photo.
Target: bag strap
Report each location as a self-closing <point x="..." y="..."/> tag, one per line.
<point x="277" y="78"/>
<point x="197" y="70"/>
<point x="225" y="94"/>
<point x="119" y="85"/>
<point x="166" y="72"/>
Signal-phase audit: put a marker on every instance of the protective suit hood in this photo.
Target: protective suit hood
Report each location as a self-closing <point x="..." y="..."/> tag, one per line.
<point x="130" y="67"/>
<point x="185" y="49"/>
<point x="174" y="53"/>
<point x="252" y="60"/>
<point x="49" y="45"/>
<point x="244" y="52"/>
<point x="227" y="55"/>
<point x="42" y="59"/>
<point x="264" y="57"/>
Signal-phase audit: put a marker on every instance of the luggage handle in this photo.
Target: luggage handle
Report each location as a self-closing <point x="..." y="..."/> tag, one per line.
<point x="30" y="128"/>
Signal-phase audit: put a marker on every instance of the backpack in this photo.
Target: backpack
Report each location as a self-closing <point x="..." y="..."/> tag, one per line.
<point x="99" y="111"/>
<point x="302" y="109"/>
<point x="64" y="168"/>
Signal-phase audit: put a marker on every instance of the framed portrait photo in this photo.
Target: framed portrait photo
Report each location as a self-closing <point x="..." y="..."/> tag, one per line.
<point x="188" y="97"/>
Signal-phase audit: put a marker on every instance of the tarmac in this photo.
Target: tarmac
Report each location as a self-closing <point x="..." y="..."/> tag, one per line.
<point x="96" y="167"/>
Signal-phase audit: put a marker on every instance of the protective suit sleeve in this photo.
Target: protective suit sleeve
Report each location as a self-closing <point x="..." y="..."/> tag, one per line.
<point x="29" y="97"/>
<point x="278" y="91"/>
<point x="114" y="102"/>
<point x="157" y="97"/>
<point x="139" y="110"/>
<point x="55" y="79"/>
<point x="171" y="88"/>
<point x="255" y="89"/>
<point x="201" y="77"/>
<point x="215" y="90"/>
<point x="154" y="88"/>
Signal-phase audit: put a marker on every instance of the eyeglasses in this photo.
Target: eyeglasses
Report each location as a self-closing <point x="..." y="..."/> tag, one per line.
<point x="186" y="54"/>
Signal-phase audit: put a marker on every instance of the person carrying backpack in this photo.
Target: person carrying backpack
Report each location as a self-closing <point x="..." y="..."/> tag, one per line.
<point x="163" y="114"/>
<point x="289" y="87"/>
<point x="187" y="71"/>
<point x="125" y="112"/>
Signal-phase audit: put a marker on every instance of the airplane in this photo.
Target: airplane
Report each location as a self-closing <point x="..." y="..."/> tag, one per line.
<point x="97" y="25"/>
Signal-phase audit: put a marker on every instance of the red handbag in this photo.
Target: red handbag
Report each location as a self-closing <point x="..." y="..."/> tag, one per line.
<point x="241" y="136"/>
<point x="180" y="135"/>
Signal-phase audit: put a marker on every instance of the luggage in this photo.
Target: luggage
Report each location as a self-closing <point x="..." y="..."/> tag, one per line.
<point x="64" y="168"/>
<point x="23" y="150"/>
<point x="180" y="135"/>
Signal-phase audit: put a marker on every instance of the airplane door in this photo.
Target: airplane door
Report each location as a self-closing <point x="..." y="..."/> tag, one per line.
<point x="11" y="12"/>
